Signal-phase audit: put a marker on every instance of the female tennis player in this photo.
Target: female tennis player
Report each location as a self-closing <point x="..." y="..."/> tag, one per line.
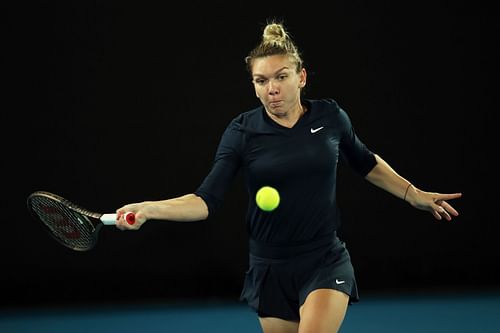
<point x="300" y="276"/>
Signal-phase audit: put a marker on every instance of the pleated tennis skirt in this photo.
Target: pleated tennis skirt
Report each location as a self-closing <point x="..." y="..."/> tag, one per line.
<point x="280" y="278"/>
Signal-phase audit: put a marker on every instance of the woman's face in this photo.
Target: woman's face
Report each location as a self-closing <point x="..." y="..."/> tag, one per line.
<point x="277" y="83"/>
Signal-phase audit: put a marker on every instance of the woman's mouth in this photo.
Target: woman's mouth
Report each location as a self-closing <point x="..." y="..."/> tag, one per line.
<point x="275" y="104"/>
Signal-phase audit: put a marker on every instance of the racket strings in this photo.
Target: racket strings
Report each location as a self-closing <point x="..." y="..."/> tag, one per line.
<point x="80" y="210"/>
<point x="66" y="224"/>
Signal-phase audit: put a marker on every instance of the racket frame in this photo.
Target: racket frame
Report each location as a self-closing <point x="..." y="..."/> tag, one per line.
<point x="90" y="220"/>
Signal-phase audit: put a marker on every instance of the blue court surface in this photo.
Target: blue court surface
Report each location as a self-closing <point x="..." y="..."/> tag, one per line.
<point x="408" y="313"/>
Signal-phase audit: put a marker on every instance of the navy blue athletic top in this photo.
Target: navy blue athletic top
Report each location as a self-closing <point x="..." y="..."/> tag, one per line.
<point x="300" y="162"/>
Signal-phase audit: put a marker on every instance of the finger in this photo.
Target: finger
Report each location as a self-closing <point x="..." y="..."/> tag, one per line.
<point x="436" y="215"/>
<point x="441" y="210"/>
<point x="449" y="208"/>
<point x="445" y="214"/>
<point x="438" y="211"/>
<point x="120" y="225"/>
<point x="120" y="222"/>
<point x="448" y="196"/>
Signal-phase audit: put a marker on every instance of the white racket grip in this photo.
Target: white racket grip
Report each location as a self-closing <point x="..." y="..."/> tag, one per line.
<point x="108" y="219"/>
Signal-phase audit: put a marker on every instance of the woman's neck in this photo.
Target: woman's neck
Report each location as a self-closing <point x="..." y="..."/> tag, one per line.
<point x="290" y="118"/>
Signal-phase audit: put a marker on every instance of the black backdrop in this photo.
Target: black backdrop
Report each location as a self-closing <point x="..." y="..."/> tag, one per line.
<point x="108" y="104"/>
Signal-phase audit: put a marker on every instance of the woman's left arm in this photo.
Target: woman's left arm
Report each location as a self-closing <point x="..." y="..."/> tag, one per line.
<point x="385" y="177"/>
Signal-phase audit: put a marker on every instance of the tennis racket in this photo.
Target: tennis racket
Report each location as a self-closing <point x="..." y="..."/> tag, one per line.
<point x="71" y="225"/>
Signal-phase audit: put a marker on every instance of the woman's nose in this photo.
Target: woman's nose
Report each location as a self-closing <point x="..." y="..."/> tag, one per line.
<point x="273" y="88"/>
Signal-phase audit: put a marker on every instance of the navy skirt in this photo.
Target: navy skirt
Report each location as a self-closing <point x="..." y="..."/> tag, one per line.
<point x="279" y="278"/>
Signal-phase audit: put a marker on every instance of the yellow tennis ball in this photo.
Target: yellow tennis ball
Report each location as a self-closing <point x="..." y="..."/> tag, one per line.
<point x="267" y="198"/>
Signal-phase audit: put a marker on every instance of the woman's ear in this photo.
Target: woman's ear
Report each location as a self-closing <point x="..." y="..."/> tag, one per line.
<point x="303" y="77"/>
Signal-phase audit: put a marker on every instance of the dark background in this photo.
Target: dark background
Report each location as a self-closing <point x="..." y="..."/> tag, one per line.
<point x="111" y="103"/>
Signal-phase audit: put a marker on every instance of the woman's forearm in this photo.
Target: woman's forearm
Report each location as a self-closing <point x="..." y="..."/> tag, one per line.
<point x="186" y="208"/>
<point x="385" y="177"/>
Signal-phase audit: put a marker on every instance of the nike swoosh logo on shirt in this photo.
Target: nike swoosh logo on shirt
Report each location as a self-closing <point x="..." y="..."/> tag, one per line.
<point x="314" y="130"/>
<point x="337" y="281"/>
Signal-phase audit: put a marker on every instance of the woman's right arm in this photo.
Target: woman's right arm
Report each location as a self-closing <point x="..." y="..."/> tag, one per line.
<point x="186" y="208"/>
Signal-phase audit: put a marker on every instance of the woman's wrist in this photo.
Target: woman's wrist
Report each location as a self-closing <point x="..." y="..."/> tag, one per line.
<point x="406" y="191"/>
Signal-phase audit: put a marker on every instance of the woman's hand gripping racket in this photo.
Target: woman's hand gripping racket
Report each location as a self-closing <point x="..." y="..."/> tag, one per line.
<point x="71" y="225"/>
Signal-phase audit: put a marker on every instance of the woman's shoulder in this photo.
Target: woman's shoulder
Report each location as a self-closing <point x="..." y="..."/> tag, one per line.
<point x="247" y="119"/>
<point x="324" y="104"/>
<point x="328" y="107"/>
<point x="250" y="115"/>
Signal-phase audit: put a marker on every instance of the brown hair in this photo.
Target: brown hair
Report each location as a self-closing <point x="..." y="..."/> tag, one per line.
<point x="275" y="41"/>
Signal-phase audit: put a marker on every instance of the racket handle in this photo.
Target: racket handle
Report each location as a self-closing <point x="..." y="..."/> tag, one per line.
<point x="110" y="219"/>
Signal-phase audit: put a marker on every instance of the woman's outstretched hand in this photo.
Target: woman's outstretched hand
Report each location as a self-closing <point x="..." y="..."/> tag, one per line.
<point x="435" y="203"/>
